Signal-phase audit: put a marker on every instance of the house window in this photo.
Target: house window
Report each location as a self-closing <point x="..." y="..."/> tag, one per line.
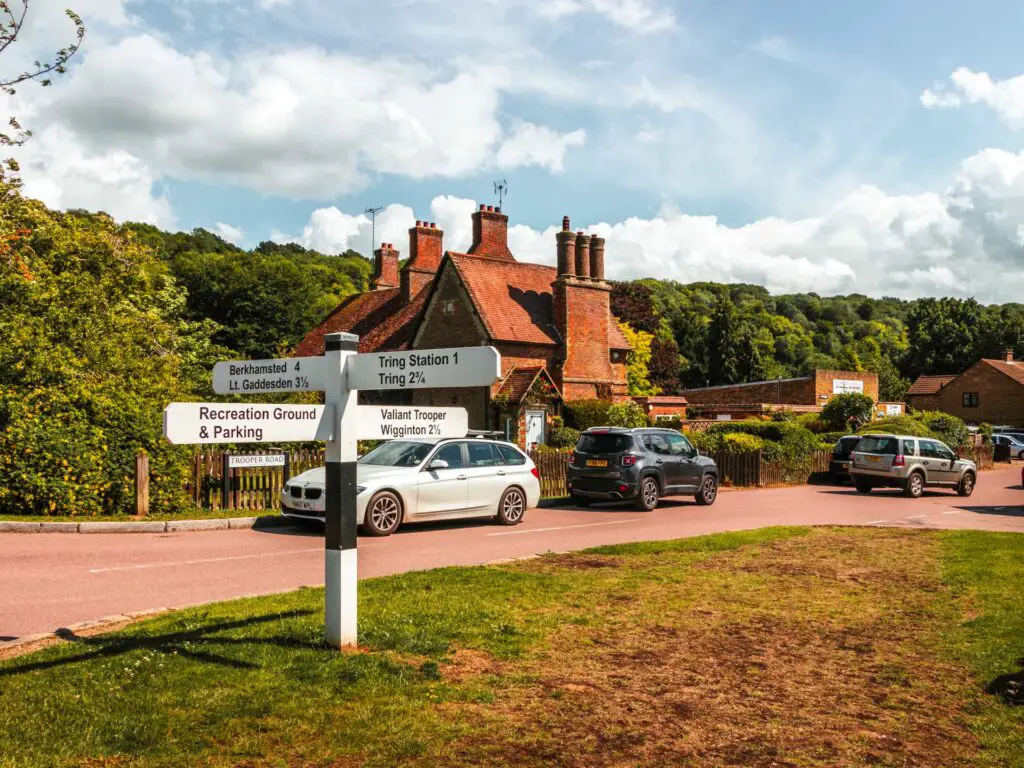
<point x="448" y="308"/>
<point x="666" y="416"/>
<point x="970" y="399"/>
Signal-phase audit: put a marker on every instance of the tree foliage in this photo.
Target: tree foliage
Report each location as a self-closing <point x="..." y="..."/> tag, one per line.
<point x="637" y="374"/>
<point x="849" y="409"/>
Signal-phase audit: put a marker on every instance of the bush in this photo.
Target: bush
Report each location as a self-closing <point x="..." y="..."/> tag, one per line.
<point x="584" y="414"/>
<point x="740" y="442"/>
<point x="841" y="409"/>
<point x="948" y="428"/>
<point x="785" y="442"/>
<point x="783" y="415"/>
<point x="563" y="437"/>
<point x="897" y="425"/>
<point x="812" y="421"/>
<point x="627" y="414"/>
<point x="985" y="430"/>
<point x="708" y="443"/>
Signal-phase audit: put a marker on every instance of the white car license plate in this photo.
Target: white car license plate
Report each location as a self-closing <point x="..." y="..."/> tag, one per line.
<point x="305" y="505"/>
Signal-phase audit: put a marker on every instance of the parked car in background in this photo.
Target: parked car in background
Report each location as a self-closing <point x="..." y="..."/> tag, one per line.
<point x="839" y="466"/>
<point x="910" y="463"/>
<point x="405" y="481"/>
<point x="639" y="465"/>
<point x="1012" y="442"/>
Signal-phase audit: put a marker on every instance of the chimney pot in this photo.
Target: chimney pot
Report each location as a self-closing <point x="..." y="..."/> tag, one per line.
<point x="565" y="224"/>
<point x="1009" y="354"/>
<point x="433" y="225"/>
<point x="483" y="207"/>
<point x="583" y="256"/>
<point x="497" y="209"/>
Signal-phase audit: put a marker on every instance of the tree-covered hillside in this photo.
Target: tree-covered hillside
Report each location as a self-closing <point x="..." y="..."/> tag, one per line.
<point x="708" y="333"/>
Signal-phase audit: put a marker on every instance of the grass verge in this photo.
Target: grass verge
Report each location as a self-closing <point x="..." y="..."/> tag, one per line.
<point x="778" y="647"/>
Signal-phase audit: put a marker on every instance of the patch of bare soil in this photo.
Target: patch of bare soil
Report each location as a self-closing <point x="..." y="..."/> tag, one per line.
<point x="847" y="676"/>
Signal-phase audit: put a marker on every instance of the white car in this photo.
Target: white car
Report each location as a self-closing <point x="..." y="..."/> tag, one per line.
<point x="404" y="481"/>
<point x="1015" y="443"/>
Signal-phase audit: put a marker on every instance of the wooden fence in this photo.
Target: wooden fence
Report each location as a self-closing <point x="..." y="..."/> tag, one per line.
<point x="553" y="467"/>
<point x="982" y="455"/>
<point x="245" y="488"/>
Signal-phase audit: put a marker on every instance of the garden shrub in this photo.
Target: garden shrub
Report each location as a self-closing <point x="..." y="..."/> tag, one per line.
<point x="740" y="442"/>
<point x="897" y="425"/>
<point x="584" y="414"/>
<point x="784" y="442"/>
<point x="563" y="437"/>
<point x="812" y="421"/>
<point x="947" y="428"/>
<point x="838" y="412"/>
<point x="627" y="414"/>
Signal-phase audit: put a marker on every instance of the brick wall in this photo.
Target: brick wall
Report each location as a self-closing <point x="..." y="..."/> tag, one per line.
<point x="807" y="390"/>
<point x="1000" y="398"/>
<point x="923" y="402"/>
<point x="490" y="233"/>
<point x="476" y="401"/>
<point x="450" y="320"/>
<point x="582" y="315"/>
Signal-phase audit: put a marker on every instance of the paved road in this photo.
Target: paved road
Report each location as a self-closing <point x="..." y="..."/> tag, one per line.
<point x="51" y="580"/>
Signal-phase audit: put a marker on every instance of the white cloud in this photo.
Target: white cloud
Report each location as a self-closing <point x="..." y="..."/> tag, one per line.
<point x="232" y="234"/>
<point x="775" y="48"/>
<point x="304" y="123"/>
<point x="63" y="173"/>
<point x="966" y="241"/>
<point x="636" y="15"/>
<point x="539" y="145"/>
<point x="1005" y="97"/>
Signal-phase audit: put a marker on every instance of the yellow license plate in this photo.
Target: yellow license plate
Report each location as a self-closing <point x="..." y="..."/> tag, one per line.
<point x="597" y="463"/>
<point x="875" y="459"/>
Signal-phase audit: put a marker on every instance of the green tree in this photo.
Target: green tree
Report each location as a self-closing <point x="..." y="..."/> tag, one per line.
<point x="943" y="335"/>
<point x="637" y="374"/>
<point x="723" y="342"/>
<point x="850" y="409"/>
<point x="665" y="364"/>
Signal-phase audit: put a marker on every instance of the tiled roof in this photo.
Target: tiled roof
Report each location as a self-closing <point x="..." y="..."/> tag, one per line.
<point x="929" y="385"/>
<point x="1014" y="370"/>
<point x="515" y="299"/>
<point x="377" y="317"/>
<point x="518" y="383"/>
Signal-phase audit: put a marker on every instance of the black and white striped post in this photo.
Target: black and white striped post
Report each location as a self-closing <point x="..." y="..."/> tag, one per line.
<point x="340" y="564"/>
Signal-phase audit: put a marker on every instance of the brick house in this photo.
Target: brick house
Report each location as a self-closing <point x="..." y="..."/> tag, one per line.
<point x="990" y="391"/>
<point x="553" y="326"/>
<point x="804" y="394"/>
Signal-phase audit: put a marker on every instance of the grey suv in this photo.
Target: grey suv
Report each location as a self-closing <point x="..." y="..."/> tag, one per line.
<point x="910" y="463"/>
<point x="642" y="465"/>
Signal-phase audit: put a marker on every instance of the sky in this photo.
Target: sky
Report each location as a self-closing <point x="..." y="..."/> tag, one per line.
<point x="842" y="147"/>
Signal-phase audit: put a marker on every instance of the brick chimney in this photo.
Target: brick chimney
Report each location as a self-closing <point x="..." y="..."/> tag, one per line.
<point x="425" y="253"/>
<point x="1009" y="354"/>
<point x="582" y="309"/>
<point x="490" y="233"/>
<point x="385" y="267"/>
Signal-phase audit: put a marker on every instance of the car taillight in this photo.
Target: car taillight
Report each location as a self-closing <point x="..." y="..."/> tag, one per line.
<point x="535" y="472"/>
<point x="629" y="460"/>
<point x="899" y="461"/>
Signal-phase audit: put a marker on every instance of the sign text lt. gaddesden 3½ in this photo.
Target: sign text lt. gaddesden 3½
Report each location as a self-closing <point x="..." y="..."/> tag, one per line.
<point x="247" y="413"/>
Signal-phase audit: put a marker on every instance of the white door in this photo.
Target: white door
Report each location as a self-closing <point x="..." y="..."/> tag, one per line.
<point x="442" y="491"/>
<point x="534" y="428"/>
<point x="488" y="477"/>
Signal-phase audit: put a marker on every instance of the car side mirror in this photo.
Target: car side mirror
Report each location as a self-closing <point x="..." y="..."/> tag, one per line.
<point x="438" y="464"/>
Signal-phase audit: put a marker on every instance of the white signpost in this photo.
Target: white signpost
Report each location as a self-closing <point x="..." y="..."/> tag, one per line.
<point x="188" y="423"/>
<point x="339" y="374"/>
<point x="394" y="422"/>
<point x="247" y="377"/>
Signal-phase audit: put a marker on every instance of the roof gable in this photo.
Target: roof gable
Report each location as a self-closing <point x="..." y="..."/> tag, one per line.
<point x="929" y="385"/>
<point x="378" y="317"/>
<point x="1015" y="369"/>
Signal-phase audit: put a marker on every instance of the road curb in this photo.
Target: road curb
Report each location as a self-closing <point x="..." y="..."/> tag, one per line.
<point x="146" y="526"/>
<point x="29" y="643"/>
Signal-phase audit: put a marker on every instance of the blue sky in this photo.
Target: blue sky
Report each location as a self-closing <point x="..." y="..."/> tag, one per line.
<point x="840" y="146"/>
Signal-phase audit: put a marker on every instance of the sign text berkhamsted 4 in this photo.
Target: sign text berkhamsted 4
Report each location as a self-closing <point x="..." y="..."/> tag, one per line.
<point x="297" y="374"/>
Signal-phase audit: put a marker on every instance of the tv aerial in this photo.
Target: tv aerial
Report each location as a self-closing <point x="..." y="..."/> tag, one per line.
<point x="501" y="189"/>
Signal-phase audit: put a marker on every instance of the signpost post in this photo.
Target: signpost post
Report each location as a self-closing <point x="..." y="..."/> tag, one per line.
<point x="340" y="373"/>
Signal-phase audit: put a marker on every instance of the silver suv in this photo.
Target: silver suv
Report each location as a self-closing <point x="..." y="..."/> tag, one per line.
<point x="910" y="463"/>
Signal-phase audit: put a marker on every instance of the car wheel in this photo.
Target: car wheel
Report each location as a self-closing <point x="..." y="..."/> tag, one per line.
<point x="915" y="486"/>
<point x="966" y="487"/>
<point x="580" y="501"/>
<point x="512" y="507"/>
<point x="863" y="486"/>
<point x="383" y="514"/>
<point x="647" y="496"/>
<point x="708" y="491"/>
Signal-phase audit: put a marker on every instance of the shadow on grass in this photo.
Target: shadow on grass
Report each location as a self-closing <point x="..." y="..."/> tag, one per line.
<point x="105" y="646"/>
<point x="1009" y="687"/>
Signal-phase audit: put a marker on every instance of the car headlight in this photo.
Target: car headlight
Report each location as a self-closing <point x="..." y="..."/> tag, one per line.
<point x="360" y="489"/>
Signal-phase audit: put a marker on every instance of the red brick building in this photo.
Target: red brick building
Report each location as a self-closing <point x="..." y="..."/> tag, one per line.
<point x="805" y="394"/>
<point x="553" y="327"/>
<point x="990" y="391"/>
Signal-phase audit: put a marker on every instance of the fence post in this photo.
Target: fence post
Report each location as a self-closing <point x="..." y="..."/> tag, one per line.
<point x="287" y="465"/>
<point x="142" y="484"/>
<point x="225" y="481"/>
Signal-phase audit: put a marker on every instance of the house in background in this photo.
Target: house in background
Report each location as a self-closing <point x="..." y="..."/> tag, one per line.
<point x="553" y="326"/>
<point x="990" y="391"/>
<point x="804" y="394"/>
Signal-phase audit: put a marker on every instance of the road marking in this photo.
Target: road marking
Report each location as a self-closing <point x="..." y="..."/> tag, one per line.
<point x="562" y="527"/>
<point x="952" y="512"/>
<point x="915" y="517"/>
<point x="876" y="522"/>
<point x="197" y="562"/>
<point x="998" y="509"/>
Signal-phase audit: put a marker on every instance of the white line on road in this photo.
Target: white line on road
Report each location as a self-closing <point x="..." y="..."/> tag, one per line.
<point x="916" y="517"/>
<point x="876" y="522"/>
<point x="952" y="512"/>
<point x="562" y="527"/>
<point x="197" y="562"/>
